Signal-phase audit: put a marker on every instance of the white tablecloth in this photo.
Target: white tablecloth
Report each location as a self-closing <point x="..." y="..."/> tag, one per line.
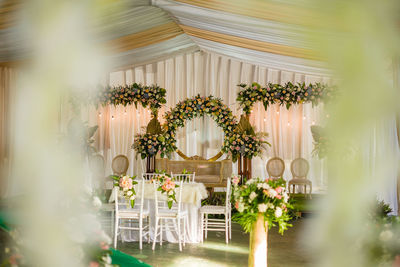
<point x="192" y="194"/>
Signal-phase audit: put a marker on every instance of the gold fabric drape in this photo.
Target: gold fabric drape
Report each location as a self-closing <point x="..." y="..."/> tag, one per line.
<point x="144" y="38"/>
<point x="267" y="10"/>
<point x="249" y="43"/>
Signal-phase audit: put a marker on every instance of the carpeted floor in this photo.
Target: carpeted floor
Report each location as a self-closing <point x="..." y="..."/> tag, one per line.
<point x="285" y="250"/>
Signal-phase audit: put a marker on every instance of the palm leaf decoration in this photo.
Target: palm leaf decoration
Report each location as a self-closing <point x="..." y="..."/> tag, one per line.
<point x="245" y="127"/>
<point x="154" y="126"/>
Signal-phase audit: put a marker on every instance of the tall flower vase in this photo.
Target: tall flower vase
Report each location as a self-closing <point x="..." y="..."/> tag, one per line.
<point x="259" y="243"/>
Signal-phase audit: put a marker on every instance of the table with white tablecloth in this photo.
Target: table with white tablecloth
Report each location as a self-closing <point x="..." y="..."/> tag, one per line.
<point x="192" y="194"/>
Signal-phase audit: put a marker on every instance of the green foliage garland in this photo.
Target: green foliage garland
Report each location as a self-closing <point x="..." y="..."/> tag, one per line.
<point x="285" y="95"/>
<point x="151" y="96"/>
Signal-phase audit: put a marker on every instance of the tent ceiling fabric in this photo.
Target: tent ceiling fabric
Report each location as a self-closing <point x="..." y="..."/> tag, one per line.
<point x="143" y="31"/>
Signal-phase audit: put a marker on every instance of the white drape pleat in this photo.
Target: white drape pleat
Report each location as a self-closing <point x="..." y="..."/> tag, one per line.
<point x="207" y="73"/>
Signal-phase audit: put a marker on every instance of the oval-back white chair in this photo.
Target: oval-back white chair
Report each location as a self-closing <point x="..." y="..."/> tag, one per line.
<point x="275" y="167"/>
<point x="120" y="165"/>
<point x="300" y="168"/>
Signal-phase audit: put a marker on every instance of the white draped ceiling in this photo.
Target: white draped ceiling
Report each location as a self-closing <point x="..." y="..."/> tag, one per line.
<point x="208" y="73"/>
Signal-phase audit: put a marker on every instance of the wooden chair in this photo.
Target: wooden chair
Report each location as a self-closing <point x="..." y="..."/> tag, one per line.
<point x="120" y="165"/>
<point x="299" y="168"/>
<point x="275" y="168"/>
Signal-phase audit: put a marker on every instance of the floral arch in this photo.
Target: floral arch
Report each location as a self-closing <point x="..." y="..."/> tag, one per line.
<point x="199" y="106"/>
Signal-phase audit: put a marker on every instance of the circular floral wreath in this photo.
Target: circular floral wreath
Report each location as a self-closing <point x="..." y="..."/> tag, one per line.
<point x="284" y="95"/>
<point x="151" y="96"/>
<point x="198" y="106"/>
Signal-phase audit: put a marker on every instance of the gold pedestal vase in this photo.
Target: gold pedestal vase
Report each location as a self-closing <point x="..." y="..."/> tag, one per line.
<point x="259" y="243"/>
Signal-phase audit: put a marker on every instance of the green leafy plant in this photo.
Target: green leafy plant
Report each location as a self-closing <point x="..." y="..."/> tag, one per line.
<point x="148" y="96"/>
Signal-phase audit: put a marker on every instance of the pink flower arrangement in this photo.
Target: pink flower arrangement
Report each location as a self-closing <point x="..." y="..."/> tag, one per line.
<point x="125" y="183"/>
<point x="168" y="185"/>
<point x="235" y="180"/>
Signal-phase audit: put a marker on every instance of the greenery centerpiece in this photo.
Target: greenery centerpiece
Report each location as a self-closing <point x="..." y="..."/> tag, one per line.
<point x="261" y="204"/>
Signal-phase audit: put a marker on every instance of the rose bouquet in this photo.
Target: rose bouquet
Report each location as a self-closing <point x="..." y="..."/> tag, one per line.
<point x="126" y="189"/>
<point x="266" y="197"/>
<point x="166" y="186"/>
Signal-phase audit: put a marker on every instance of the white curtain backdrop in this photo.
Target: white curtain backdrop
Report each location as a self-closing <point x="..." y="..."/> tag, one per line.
<point x="208" y="73"/>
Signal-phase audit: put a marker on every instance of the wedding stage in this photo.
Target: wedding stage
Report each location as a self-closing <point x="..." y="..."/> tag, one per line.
<point x="199" y="133"/>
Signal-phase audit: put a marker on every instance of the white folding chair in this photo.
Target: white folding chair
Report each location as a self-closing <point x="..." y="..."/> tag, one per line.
<point x="150" y="176"/>
<point x="213" y="224"/>
<point x="171" y="218"/>
<point x="136" y="215"/>
<point x="186" y="178"/>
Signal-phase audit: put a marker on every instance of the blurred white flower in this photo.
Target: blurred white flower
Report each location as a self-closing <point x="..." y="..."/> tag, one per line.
<point x="87" y="190"/>
<point x="285" y="198"/>
<point x="106" y="259"/>
<point x="262" y="207"/>
<point x="278" y="212"/>
<point x="104" y="237"/>
<point x="272" y="192"/>
<point x="129" y="193"/>
<point x="252" y="196"/>
<point x="96" y="202"/>
<point x="241" y="207"/>
<point x="132" y="198"/>
<point x="265" y="186"/>
<point x="386" y="235"/>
